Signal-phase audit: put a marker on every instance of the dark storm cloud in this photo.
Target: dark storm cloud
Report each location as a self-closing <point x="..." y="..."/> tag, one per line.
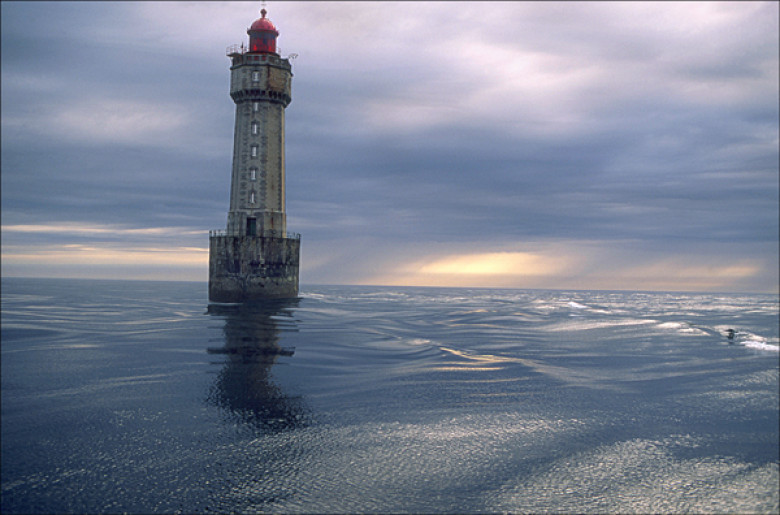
<point x="103" y="128"/>
<point x="642" y="166"/>
<point x="474" y="126"/>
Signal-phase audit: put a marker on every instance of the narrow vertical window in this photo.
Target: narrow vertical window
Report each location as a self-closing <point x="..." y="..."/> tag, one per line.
<point x="253" y="174"/>
<point x="254" y="127"/>
<point x="255" y="106"/>
<point x="254" y="150"/>
<point x="255" y="76"/>
<point x="252" y="198"/>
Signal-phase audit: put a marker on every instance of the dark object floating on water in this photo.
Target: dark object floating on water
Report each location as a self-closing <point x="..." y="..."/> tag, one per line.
<point x="730" y="334"/>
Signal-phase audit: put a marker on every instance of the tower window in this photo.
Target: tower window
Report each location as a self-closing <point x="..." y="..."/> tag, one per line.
<point x="254" y="127"/>
<point x="252" y="198"/>
<point x="254" y="150"/>
<point x="253" y="174"/>
<point x="255" y="76"/>
<point x="255" y="106"/>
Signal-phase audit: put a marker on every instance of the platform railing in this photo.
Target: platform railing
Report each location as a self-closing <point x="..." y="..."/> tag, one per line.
<point x="235" y="49"/>
<point x="266" y="234"/>
<point x="243" y="49"/>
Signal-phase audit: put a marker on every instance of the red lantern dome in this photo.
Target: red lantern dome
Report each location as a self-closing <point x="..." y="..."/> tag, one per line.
<point x="262" y="35"/>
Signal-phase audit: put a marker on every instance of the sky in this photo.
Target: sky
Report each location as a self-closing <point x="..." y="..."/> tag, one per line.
<point x="609" y="146"/>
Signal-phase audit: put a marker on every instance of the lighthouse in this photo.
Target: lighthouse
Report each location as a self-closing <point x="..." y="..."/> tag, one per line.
<point x="255" y="257"/>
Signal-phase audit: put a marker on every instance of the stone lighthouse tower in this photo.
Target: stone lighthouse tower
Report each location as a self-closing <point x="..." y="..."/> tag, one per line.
<point x="256" y="258"/>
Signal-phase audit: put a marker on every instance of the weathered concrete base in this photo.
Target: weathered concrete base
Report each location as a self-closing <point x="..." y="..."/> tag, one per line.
<point x="244" y="268"/>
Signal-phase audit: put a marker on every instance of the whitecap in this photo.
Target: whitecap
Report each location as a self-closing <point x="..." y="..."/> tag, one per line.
<point x="585" y="325"/>
<point x="755" y="344"/>
<point x="680" y="327"/>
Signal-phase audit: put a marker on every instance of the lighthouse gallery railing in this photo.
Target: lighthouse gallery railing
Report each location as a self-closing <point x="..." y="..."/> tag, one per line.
<point x="266" y="234"/>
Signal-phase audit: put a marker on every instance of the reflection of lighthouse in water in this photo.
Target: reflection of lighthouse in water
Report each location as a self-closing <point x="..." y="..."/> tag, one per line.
<point x="244" y="387"/>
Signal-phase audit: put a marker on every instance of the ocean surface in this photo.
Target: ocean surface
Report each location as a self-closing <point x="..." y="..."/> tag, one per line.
<point x="138" y="397"/>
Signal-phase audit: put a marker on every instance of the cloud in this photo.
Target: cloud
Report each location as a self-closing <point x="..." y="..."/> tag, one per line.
<point x="75" y="254"/>
<point x="607" y="135"/>
<point x="480" y="269"/>
<point x="492" y="263"/>
<point x="104" y="251"/>
<point x="105" y="121"/>
<point x="563" y="264"/>
<point x="113" y="122"/>
<point x="105" y="260"/>
<point x="74" y="229"/>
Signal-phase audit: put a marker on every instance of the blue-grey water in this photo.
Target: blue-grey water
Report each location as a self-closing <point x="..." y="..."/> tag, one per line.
<point x="137" y="397"/>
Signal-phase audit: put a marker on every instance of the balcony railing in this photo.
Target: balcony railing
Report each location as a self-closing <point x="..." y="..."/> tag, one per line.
<point x="266" y="234"/>
<point x="242" y="49"/>
<point x="236" y="49"/>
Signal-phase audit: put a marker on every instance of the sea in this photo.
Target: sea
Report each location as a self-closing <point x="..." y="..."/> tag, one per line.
<point x="140" y="397"/>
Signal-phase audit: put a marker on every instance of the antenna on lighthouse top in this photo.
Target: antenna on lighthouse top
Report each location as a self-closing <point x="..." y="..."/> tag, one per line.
<point x="262" y="9"/>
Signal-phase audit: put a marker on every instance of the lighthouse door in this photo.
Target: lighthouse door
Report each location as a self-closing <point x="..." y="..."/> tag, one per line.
<point x="251" y="226"/>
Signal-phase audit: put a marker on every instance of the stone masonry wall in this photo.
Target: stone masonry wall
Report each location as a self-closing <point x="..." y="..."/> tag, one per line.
<point x="245" y="268"/>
